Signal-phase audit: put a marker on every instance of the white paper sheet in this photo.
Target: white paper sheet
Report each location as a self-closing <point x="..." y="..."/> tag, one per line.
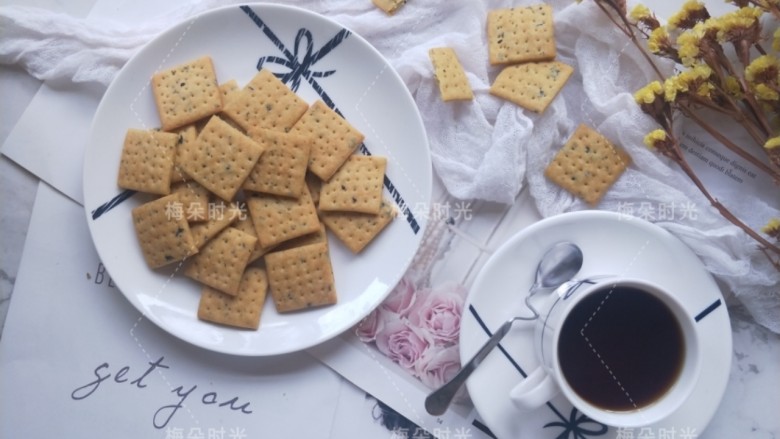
<point x="744" y="188"/>
<point x="78" y="360"/>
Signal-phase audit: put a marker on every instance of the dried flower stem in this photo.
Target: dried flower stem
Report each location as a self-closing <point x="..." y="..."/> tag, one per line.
<point x="728" y="143"/>
<point x="627" y="29"/>
<point x="718" y="61"/>
<point x="725" y="212"/>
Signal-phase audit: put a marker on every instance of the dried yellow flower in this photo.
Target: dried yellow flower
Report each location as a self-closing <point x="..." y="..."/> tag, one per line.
<point x="659" y="41"/>
<point x="734" y="25"/>
<point x="673" y="86"/>
<point x="764" y="93"/>
<point x="694" y="81"/>
<point x="772" y="143"/>
<point x="765" y="68"/>
<point x="772" y="228"/>
<point x="654" y="138"/>
<point x="763" y="77"/>
<point x="639" y="13"/>
<point x="733" y="87"/>
<point x="688" y="44"/>
<point x="648" y="93"/>
<point x="692" y="12"/>
<point x="642" y="16"/>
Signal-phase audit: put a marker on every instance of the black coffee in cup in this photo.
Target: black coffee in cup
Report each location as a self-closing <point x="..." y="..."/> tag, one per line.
<point x="621" y="348"/>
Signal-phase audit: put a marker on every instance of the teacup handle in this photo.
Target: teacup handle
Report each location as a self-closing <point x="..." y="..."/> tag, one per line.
<point x="536" y="389"/>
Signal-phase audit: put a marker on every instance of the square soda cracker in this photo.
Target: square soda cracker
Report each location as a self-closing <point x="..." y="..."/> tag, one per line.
<point x="265" y="102"/>
<point x="357" y="230"/>
<point x="521" y="34"/>
<point x="221" y="158"/>
<point x="532" y="85"/>
<point x="389" y="6"/>
<point x="301" y="277"/>
<point x="242" y="310"/>
<point x="164" y="239"/>
<point x="333" y="139"/>
<point x="218" y="216"/>
<point x="449" y="75"/>
<point x="147" y="161"/>
<point x="356" y="186"/>
<point x="186" y="93"/>
<point x="281" y="169"/>
<point x="194" y="200"/>
<point x="187" y="134"/>
<point x="587" y="165"/>
<point x="278" y="219"/>
<point x="221" y="262"/>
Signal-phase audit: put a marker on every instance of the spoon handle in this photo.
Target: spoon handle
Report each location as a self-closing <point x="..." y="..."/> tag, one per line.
<point x="437" y="402"/>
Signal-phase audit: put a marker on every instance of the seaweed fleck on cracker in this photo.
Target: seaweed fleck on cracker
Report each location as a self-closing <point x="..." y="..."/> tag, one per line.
<point x="587" y="165"/>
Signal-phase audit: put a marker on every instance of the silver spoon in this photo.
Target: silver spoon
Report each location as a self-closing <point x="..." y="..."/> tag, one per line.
<point x="559" y="264"/>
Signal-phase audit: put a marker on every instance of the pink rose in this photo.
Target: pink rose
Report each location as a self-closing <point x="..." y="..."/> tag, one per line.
<point x="402" y="343"/>
<point x="402" y="297"/>
<point x="438" y="366"/>
<point x="367" y="329"/>
<point x="438" y="312"/>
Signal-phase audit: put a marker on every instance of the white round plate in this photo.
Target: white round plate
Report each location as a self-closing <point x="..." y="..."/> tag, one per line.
<point x="611" y="244"/>
<point x="319" y="59"/>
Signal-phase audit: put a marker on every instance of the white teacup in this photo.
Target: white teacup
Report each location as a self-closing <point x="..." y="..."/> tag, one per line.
<point x="595" y="346"/>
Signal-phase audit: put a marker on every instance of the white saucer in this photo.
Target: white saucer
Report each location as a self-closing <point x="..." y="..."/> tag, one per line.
<point x="612" y="244"/>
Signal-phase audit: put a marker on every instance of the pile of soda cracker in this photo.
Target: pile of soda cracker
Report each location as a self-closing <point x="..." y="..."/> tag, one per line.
<point x="248" y="179"/>
<point x="523" y="40"/>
